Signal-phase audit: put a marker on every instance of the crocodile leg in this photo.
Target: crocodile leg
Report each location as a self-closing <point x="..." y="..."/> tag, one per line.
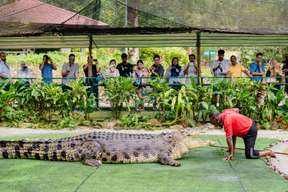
<point x="166" y="159"/>
<point x="92" y="162"/>
<point x="90" y="153"/>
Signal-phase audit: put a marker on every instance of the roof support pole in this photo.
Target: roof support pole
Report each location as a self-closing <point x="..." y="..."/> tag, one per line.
<point x="94" y="87"/>
<point x="90" y="45"/>
<point x="198" y="46"/>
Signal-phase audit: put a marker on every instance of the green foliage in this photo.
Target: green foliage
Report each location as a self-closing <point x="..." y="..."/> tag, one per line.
<point x="8" y="102"/>
<point x="133" y="120"/>
<point x="44" y="103"/>
<point x="243" y="94"/>
<point x="192" y="103"/>
<point x="187" y="105"/>
<point x="120" y="92"/>
<point x="40" y="103"/>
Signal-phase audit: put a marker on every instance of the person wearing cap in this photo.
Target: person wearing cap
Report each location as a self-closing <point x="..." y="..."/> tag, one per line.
<point x="237" y="125"/>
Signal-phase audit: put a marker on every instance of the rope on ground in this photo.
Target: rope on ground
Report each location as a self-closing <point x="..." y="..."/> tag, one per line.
<point x="243" y="188"/>
<point x="84" y="180"/>
<point x="240" y="182"/>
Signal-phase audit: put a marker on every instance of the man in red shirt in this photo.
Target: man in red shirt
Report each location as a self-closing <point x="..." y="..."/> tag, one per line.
<point x="237" y="125"/>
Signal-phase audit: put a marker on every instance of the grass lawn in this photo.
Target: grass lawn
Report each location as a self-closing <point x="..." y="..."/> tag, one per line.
<point x="202" y="169"/>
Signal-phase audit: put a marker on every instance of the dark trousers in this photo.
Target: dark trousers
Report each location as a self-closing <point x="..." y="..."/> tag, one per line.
<point x="249" y="141"/>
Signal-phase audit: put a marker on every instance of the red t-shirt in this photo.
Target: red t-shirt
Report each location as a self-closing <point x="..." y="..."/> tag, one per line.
<point x="235" y="124"/>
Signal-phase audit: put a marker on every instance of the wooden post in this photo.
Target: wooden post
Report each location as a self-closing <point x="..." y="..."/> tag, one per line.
<point x="90" y="45"/>
<point x="90" y="55"/>
<point x="198" y="46"/>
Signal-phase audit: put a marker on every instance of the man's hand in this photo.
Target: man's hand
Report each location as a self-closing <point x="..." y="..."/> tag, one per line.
<point x="230" y="157"/>
<point x="231" y="142"/>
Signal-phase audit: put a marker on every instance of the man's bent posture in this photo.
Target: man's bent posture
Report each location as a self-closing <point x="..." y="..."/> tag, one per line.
<point x="237" y="125"/>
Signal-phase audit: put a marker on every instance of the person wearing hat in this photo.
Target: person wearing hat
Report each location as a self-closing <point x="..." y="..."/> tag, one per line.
<point x="237" y="125"/>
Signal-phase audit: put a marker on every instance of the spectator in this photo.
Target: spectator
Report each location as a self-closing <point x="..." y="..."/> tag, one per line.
<point x="91" y="72"/>
<point x="24" y="73"/>
<point x="285" y="72"/>
<point x="5" y="72"/>
<point x="47" y="68"/>
<point x="274" y="73"/>
<point x="125" y="69"/>
<point x="157" y="69"/>
<point x="220" y="66"/>
<point x="70" y="71"/>
<point x="93" y="76"/>
<point x="139" y="74"/>
<point x="236" y="69"/>
<point x="190" y="70"/>
<point x="112" y="71"/>
<point x="257" y="69"/>
<point x="174" y="72"/>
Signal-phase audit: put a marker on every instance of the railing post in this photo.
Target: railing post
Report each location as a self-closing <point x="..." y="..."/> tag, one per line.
<point x="198" y="46"/>
<point x="94" y="88"/>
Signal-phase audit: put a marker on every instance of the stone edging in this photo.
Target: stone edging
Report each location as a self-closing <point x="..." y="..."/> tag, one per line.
<point x="274" y="164"/>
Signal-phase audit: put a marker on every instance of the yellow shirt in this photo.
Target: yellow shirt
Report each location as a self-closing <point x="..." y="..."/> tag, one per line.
<point x="236" y="70"/>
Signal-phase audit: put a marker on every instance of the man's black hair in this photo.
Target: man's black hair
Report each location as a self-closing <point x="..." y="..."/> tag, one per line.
<point x="156" y="56"/>
<point x="259" y="54"/>
<point x="192" y="55"/>
<point x="221" y="52"/>
<point x="124" y="55"/>
<point x="72" y="55"/>
<point x="46" y="56"/>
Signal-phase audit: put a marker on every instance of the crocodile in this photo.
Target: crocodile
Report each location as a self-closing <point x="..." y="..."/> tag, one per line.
<point x="100" y="147"/>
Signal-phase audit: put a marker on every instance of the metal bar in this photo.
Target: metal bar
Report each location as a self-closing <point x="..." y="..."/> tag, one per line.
<point x="90" y="45"/>
<point x="198" y="45"/>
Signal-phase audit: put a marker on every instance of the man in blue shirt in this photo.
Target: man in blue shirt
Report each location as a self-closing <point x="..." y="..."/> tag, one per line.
<point x="47" y="68"/>
<point x="257" y="69"/>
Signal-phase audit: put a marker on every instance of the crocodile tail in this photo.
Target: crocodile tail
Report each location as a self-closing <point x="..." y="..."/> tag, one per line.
<point x="41" y="150"/>
<point x="24" y="149"/>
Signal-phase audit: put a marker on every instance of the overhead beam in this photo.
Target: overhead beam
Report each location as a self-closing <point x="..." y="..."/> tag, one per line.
<point x="144" y="41"/>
